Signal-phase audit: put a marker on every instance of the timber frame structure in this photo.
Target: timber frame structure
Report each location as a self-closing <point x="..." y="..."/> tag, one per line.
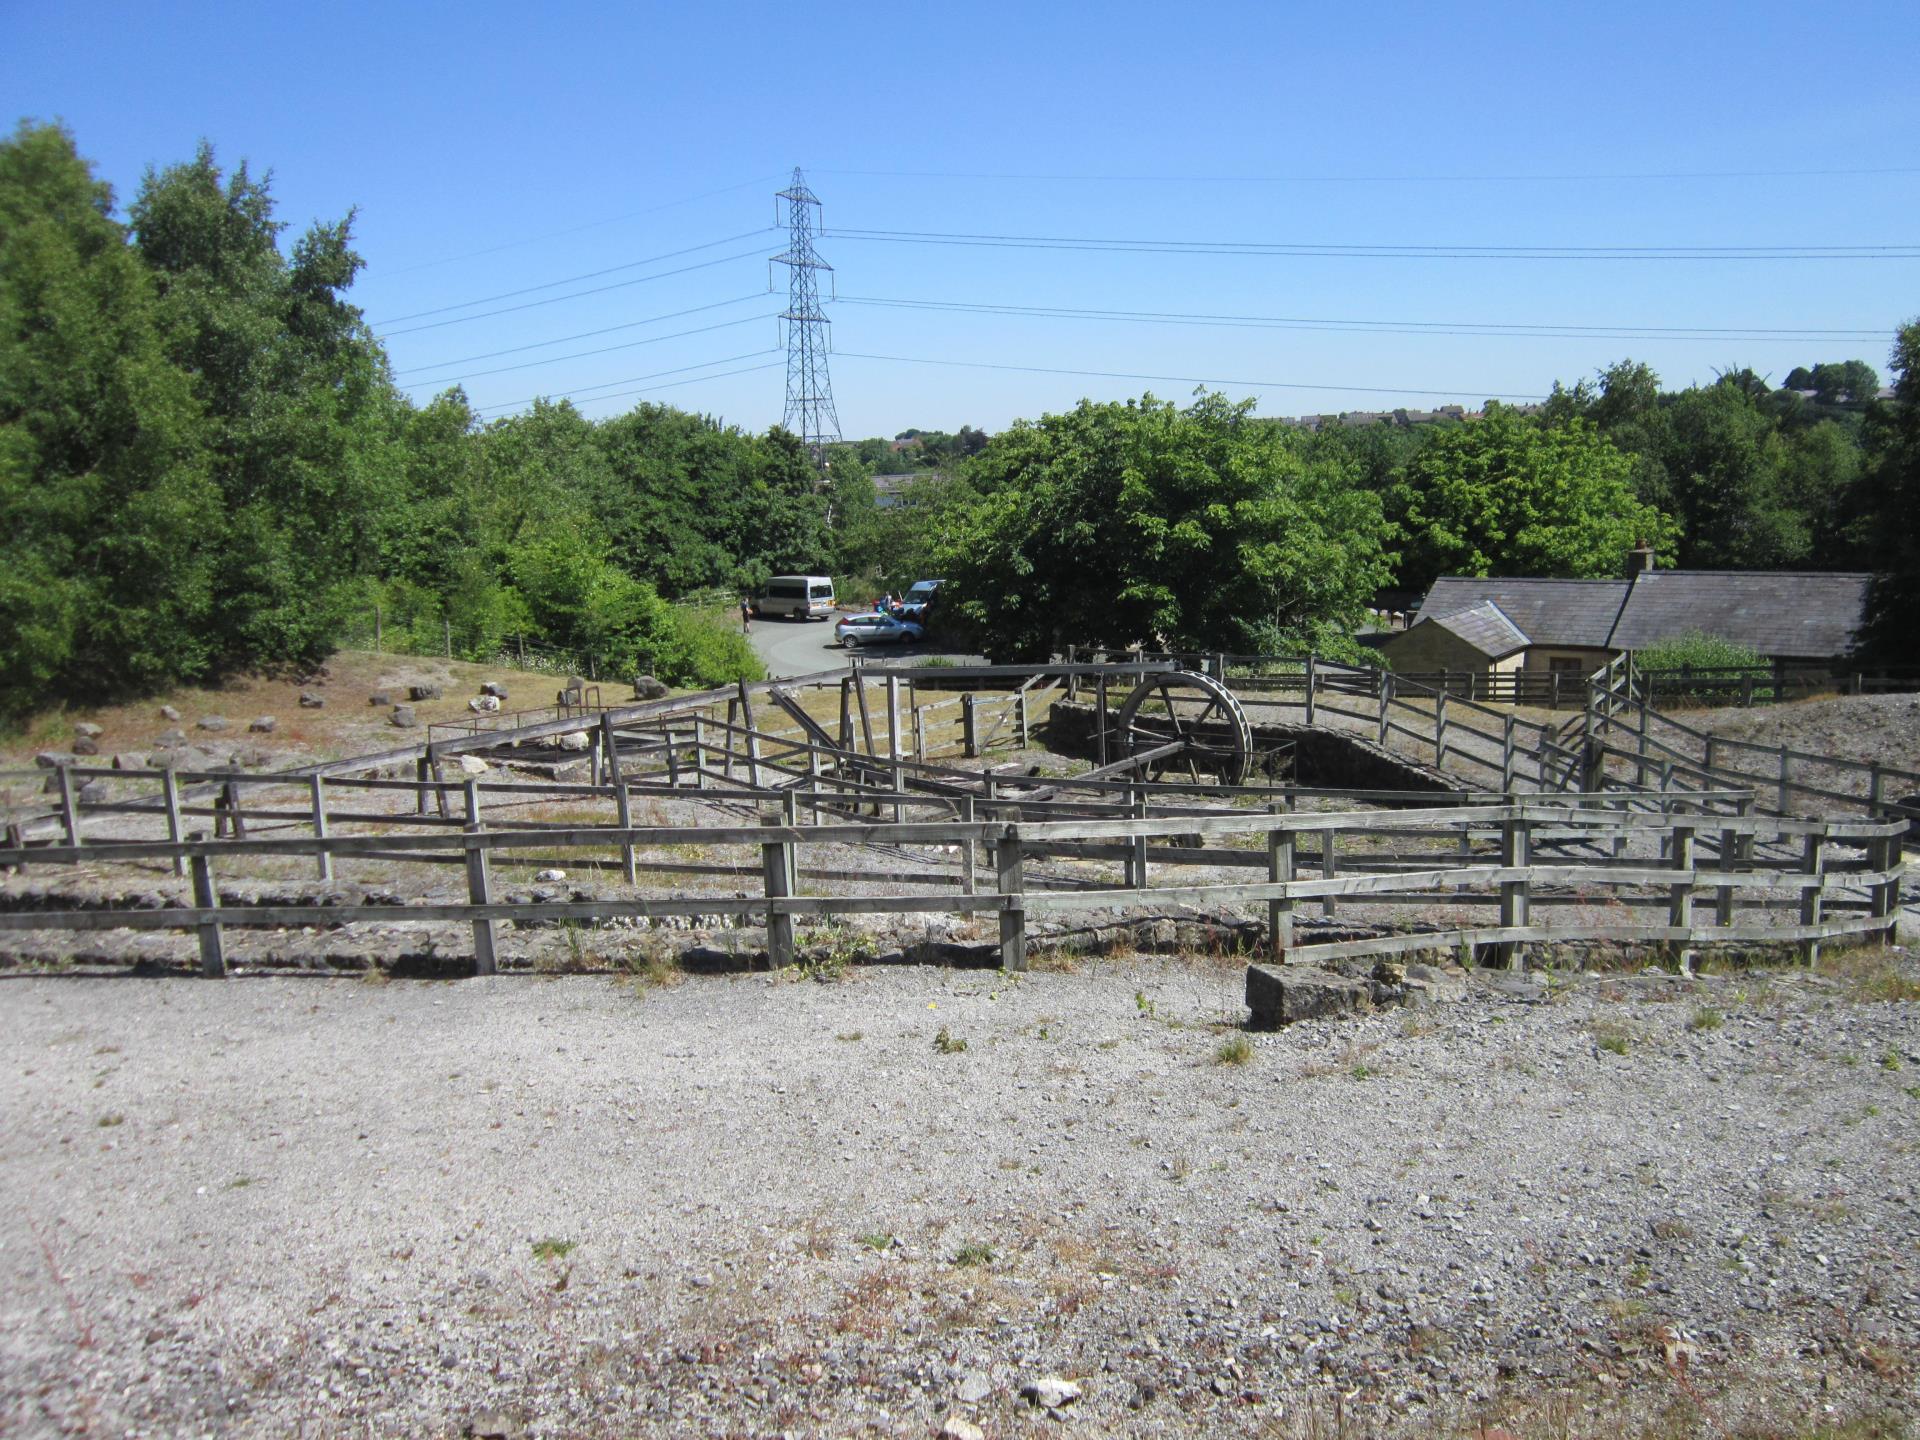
<point x="1600" y="820"/>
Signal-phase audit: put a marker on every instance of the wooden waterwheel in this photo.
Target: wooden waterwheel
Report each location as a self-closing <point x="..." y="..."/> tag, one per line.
<point x="1201" y="712"/>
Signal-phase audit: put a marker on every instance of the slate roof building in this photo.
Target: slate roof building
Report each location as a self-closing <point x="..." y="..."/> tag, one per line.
<point x="1576" y="626"/>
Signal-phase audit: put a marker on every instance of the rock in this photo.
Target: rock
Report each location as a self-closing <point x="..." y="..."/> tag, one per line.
<point x="93" y="792"/>
<point x="253" y="757"/>
<point x="973" y="1388"/>
<point x="574" y="774"/>
<point x="167" y="712"/>
<point x="551" y="875"/>
<point x="472" y="765"/>
<point x="1432" y="985"/>
<point x="85" y="745"/>
<point x="263" y="725"/>
<point x="493" y="688"/>
<point x="645" y="687"/>
<point x="1050" y="1392"/>
<point x="958" y="1427"/>
<point x="492" y="1425"/>
<point x="214" y="723"/>
<point x="87" y="730"/>
<point x="171" y="739"/>
<point x="484" y="704"/>
<point x="130" y="762"/>
<point x="404" y="717"/>
<point x="311" y="701"/>
<point x="1281" y="994"/>
<point x="53" y="759"/>
<point x="574" y="740"/>
<point x="380" y="698"/>
<point x="423" y="692"/>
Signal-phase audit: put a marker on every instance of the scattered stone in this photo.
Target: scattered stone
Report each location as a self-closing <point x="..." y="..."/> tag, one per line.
<point x="493" y="688"/>
<point x="171" y="739"/>
<point x="93" y="792"/>
<point x="574" y="774"/>
<point x="129" y="762"/>
<point x="404" y="717"/>
<point x="87" y="730"/>
<point x="253" y="757"/>
<point x="1050" y="1392"/>
<point x="167" y="712"/>
<point x="1434" y="985"/>
<point x="551" y="875"/>
<point x="573" y="740"/>
<point x="472" y="765"/>
<point x="1281" y="994"/>
<point x="492" y="1425"/>
<point x="263" y="725"/>
<point x="484" y="704"/>
<point x="973" y="1388"/>
<point x="53" y="759"/>
<point x="215" y="723"/>
<point x="958" y="1427"/>
<point x="646" y="687"/>
<point x="380" y="698"/>
<point x="85" y="745"/>
<point x="311" y="701"/>
<point x="423" y="692"/>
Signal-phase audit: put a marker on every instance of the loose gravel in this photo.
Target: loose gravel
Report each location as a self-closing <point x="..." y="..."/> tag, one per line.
<point x="757" y="1205"/>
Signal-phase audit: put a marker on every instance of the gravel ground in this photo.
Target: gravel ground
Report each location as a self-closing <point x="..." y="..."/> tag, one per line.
<point x="753" y="1205"/>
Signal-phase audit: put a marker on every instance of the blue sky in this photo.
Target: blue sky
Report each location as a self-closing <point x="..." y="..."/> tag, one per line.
<point x="490" y="148"/>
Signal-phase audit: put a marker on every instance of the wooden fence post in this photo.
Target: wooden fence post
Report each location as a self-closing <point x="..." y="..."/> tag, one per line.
<point x="1073" y="680"/>
<point x="775" y="868"/>
<point x="1516" y="852"/>
<point x="1011" y="877"/>
<point x="622" y="797"/>
<point x="325" y="866"/>
<point x="1312" y="676"/>
<point x="1100" y="716"/>
<point x="170" y="792"/>
<point x="1680" y="895"/>
<point x="699" y="752"/>
<point x="1440" y="729"/>
<point x="894" y="752"/>
<point x="969" y="726"/>
<point x="213" y="952"/>
<point x="965" y="817"/>
<point x="1386" y="699"/>
<point x="1506" y="754"/>
<point x="1884" y="896"/>
<point x="1811" y="904"/>
<point x="1280" y="872"/>
<point x="1784" y="761"/>
<point x="69" y="809"/>
<point x="1876" y="791"/>
<point x="1137" y="843"/>
<point x="1723" y="895"/>
<point x="1329" y="869"/>
<point x="479" y="884"/>
<point x="1020" y="715"/>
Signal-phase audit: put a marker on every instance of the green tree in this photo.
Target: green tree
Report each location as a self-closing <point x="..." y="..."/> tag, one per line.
<point x="1892" y="500"/>
<point x="1507" y="496"/>
<point x="295" y="393"/>
<point x="107" y="520"/>
<point x="1140" y="522"/>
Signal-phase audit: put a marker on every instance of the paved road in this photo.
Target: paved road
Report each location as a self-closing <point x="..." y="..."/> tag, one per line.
<point x="801" y="647"/>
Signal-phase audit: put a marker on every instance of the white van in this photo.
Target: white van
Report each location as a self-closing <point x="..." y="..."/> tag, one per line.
<point x="796" y="597"/>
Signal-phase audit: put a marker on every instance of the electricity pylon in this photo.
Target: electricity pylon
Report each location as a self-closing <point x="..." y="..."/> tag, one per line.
<point x="809" y="413"/>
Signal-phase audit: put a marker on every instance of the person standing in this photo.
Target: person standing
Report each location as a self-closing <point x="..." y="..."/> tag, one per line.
<point x="746" y="616"/>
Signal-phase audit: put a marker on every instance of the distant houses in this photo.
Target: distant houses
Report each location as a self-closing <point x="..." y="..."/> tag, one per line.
<point x="1494" y="626"/>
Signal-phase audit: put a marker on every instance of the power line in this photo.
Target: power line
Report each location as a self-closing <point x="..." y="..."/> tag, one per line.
<point x="577" y="229"/>
<point x="631" y="379"/>
<point x="575" y="279"/>
<point x="584" y="354"/>
<point x="581" y="335"/>
<point x="1327" y="250"/>
<point x="1572" y="177"/>
<point x="809" y="412"/>
<point x="1189" y="379"/>
<point x="575" y="295"/>
<point x="1368" y="327"/>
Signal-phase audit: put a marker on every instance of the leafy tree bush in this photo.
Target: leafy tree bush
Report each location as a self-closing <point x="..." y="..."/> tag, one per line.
<point x="1119" y="524"/>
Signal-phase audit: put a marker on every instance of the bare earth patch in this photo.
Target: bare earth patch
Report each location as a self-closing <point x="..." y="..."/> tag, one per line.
<point x="758" y="1204"/>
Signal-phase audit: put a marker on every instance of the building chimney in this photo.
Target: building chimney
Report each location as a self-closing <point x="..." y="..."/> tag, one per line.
<point x="1639" y="560"/>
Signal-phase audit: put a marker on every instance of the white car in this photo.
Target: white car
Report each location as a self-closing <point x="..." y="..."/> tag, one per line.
<point x="875" y="629"/>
